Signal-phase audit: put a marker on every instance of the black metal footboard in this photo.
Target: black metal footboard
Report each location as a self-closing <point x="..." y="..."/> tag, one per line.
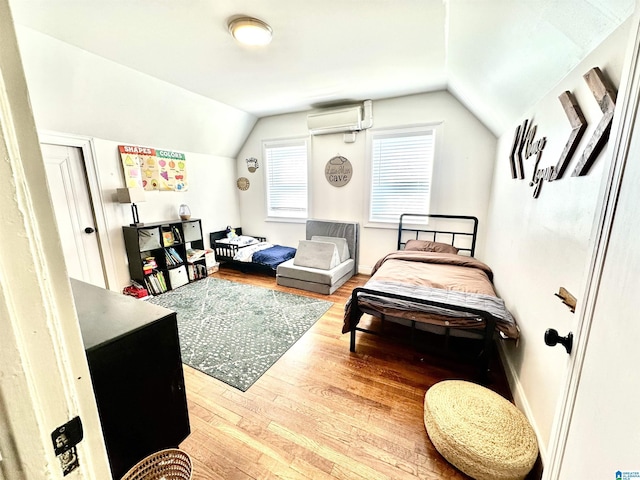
<point x="487" y="338"/>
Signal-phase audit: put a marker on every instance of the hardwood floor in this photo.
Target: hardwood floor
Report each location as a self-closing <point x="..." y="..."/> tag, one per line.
<point x="322" y="411"/>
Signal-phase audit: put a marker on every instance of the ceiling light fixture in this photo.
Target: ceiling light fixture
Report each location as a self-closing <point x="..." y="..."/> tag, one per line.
<point x="250" y="31"/>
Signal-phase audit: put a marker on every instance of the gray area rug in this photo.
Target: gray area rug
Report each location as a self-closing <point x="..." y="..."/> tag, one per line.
<point x="235" y="332"/>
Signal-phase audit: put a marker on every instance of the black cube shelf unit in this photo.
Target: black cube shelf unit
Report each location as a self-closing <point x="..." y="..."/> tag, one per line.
<point x="158" y="254"/>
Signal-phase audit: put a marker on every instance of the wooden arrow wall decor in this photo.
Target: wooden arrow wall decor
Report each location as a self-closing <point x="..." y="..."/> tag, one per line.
<point x="519" y="143"/>
<point x="524" y="145"/>
<point x="578" y="124"/>
<point x="515" y="171"/>
<point x="605" y="94"/>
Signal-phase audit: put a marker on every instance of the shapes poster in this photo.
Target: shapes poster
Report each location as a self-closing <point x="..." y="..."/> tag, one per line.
<point x="153" y="169"/>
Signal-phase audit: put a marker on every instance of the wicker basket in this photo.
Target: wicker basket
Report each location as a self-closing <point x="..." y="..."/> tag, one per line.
<point x="169" y="464"/>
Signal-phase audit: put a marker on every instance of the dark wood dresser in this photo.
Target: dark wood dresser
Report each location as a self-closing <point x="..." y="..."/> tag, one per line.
<point x="136" y="370"/>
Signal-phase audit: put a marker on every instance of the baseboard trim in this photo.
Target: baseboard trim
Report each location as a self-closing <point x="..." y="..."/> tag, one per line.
<point x="520" y="398"/>
<point x="365" y="269"/>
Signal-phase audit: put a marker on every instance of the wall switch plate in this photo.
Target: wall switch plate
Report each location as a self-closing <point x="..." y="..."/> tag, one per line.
<point x="65" y="438"/>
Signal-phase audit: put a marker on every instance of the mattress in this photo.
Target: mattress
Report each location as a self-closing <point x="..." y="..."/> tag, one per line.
<point x="460" y="287"/>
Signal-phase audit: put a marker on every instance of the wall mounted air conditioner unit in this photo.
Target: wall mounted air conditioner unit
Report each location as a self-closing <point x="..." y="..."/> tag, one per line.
<point x="352" y="118"/>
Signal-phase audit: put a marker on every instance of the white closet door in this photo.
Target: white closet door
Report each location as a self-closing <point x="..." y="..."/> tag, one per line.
<point x="74" y="213"/>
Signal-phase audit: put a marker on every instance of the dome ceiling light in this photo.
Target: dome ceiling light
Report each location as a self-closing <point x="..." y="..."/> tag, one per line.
<point x="250" y="31"/>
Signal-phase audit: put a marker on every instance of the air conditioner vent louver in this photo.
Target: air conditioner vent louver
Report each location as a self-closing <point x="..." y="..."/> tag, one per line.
<point x="339" y="120"/>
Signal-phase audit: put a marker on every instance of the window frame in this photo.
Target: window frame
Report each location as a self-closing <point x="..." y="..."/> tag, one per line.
<point x="288" y="216"/>
<point x="434" y="129"/>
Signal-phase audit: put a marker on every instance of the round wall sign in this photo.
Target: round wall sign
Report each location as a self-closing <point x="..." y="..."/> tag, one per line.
<point x="243" y="183"/>
<point x="338" y="171"/>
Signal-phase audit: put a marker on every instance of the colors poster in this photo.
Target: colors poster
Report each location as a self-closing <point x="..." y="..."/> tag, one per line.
<point x="153" y="169"/>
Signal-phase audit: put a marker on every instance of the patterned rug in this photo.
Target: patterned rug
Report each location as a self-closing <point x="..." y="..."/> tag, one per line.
<point x="235" y="332"/>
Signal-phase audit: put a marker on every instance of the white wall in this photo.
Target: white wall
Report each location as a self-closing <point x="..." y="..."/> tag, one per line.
<point x="462" y="172"/>
<point x="75" y="92"/>
<point x="211" y="196"/>
<point x="536" y="246"/>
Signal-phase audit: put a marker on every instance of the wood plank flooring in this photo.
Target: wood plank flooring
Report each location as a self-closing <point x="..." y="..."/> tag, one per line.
<point x="322" y="412"/>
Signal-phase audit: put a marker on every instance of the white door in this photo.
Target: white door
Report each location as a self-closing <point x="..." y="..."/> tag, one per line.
<point x="600" y="420"/>
<point x="74" y="213"/>
<point x="604" y="432"/>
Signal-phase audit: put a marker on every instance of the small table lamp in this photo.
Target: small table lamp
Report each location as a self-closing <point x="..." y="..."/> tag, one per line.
<point x="132" y="195"/>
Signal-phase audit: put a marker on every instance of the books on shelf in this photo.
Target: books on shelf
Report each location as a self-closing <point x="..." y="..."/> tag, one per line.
<point x="155" y="283"/>
<point x="194" y="254"/>
<point x="149" y="264"/>
<point x="197" y="271"/>
<point x="173" y="258"/>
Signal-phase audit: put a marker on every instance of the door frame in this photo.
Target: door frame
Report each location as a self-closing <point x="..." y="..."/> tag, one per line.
<point x="86" y="144"/>
<point x="616" y="157"/>
<point x="45" y="378"/>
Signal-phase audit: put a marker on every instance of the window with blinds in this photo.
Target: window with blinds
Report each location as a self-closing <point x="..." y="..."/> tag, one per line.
<point x="286" y="178"/>
<point x="401" y="167"/>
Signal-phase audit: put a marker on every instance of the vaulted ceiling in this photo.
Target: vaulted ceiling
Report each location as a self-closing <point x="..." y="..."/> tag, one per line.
<point x="498" y="57"/>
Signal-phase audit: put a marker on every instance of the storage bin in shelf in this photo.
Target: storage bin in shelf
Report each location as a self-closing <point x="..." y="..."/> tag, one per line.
<point x="148" y="239"/>
<point x="191" y="231"/>
<point x="178" y="276"/>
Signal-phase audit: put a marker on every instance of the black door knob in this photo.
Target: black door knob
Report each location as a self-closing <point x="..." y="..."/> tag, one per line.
<point x="552" y="338"/>
<point x="89" y="230"/>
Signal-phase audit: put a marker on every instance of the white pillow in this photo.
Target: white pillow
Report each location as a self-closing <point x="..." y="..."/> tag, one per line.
<point x="243" y="240"/>
<point x="321" y="255"/>
<point x="340" y="243"/>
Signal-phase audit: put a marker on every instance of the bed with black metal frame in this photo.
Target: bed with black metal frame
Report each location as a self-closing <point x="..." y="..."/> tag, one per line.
<point x="451" y="310"/>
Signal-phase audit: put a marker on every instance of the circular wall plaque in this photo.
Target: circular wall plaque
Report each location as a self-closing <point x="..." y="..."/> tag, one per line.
<point x="243" y="183"/>
<point x="338" y="171"/>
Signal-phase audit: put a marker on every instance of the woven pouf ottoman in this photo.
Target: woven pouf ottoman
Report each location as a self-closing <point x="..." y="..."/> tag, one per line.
<point x="478" y="431"/>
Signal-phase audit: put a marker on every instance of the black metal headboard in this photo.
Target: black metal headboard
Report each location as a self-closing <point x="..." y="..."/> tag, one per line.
<point x="459" y="230"/>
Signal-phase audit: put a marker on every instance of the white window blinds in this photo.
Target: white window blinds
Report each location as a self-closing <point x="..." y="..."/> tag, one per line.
<point x="286" y="178"/>
<point x="401" y="167"/>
